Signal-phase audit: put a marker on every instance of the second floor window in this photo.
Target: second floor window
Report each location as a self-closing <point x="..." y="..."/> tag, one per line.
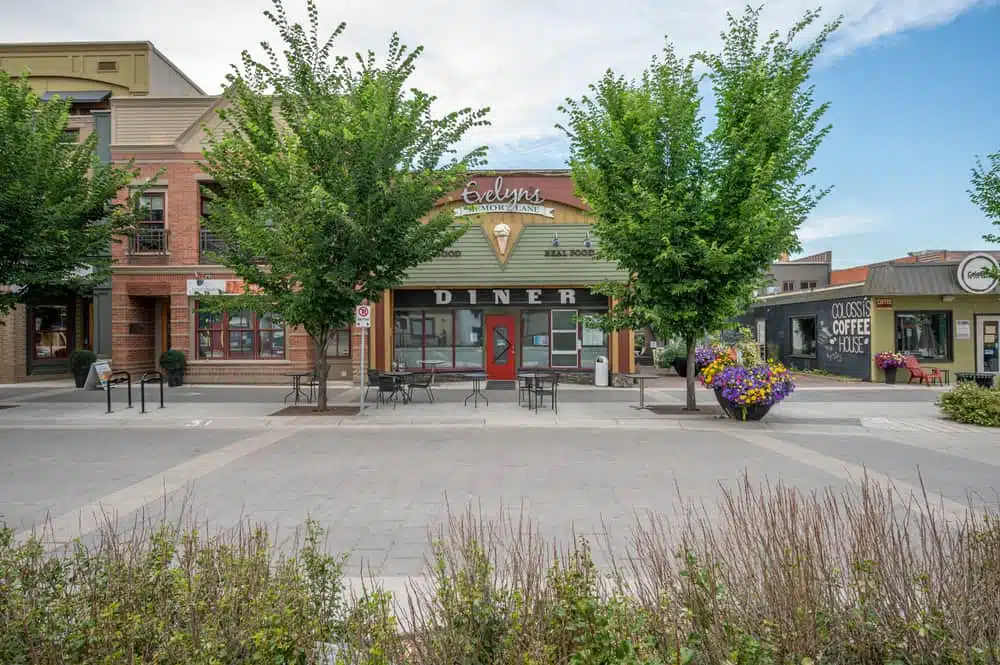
<point x="150" y="233"/>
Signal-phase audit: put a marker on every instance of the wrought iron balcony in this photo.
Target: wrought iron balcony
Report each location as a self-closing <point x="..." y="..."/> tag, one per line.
<point x="208" y="245"/>
<point x="148" y="242"/>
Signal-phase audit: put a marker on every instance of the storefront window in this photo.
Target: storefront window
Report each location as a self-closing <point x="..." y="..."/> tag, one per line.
<point x="240" y="335"/>
<point x="535" y="339"/>
<point x="340" y="344"/>
<point x="49" y="323"/>
<point x="440" y="340"/>
<point x="924" y="335"/>
<point x="468" y="338"/>
<point x="564" y="338"/>
<point x="593" y="339"/>
<point x="804" y="336"/>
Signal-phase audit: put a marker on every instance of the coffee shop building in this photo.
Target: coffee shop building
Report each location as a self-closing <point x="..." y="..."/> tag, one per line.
<point x="943" y="309"/>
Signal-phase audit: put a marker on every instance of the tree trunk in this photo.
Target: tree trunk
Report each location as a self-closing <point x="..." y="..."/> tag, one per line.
<point x="692" y="404"/>
<point x="321" y="367"/>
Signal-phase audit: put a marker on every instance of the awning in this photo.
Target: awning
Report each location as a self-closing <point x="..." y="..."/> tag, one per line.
<point x="79" y="96"/>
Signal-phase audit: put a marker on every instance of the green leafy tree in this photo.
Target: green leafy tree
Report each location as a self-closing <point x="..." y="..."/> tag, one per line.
<point x="694" y="217"/>
<point x="985" y="191"/>
<point x="58" y="209"/>
<point x="328" y="170"/>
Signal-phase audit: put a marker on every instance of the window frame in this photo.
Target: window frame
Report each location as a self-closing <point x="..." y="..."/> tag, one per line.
<point x="949" y="356"/>
<point x="335" y="343"/>
<point x="452" y="329"/>
<point x="791" y="336"/>
<point x="225" y="330"/>
<point x="553" y="331"/>
<point x="151" y="223"/>
<point x="787" y="285"/>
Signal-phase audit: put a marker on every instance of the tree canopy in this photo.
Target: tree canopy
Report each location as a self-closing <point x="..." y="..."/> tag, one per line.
<point x="693" y="216"/>
<point x="328" y="169"/>
<point x="985" y="190"/>
<point x="58" y="209"/>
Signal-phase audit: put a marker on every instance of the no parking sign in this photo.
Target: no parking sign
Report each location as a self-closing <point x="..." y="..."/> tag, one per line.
<point x="363" y="316"/>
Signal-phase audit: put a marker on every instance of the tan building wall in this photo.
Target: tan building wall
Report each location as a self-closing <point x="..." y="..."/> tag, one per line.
<point x="124" y="68"/>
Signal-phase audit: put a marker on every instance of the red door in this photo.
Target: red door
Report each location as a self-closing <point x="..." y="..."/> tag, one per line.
<point x="501" y="358"/>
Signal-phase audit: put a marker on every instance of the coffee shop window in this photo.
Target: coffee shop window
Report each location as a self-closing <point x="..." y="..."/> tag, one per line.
<point x="804" y="336"/>
<point x="50" y="332"/>
<point x="239" y="335"/>
<point x="924" y="335"/>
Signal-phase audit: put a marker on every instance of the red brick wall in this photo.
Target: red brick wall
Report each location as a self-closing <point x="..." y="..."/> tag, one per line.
<point x="134" y="289"/>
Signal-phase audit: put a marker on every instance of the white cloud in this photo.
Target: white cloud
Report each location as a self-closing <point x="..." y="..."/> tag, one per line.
<point x="520" y="57"/>
<point x="826" y="227"/>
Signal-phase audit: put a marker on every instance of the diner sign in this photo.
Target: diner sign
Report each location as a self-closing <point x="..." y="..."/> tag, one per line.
<point x="502" y="199"/>
<point x="570" y="298"/>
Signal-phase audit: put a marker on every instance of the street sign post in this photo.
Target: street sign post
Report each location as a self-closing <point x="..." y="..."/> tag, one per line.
<point x="363" y="320"/>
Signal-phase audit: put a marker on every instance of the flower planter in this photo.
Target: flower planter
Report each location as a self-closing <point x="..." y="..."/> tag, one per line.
<point x="890" y="375"/>
<point x="175" y="377"/>
<point x="80" y="378"/>
<point x="680" y="366"/>
<point x="752" y="413"/>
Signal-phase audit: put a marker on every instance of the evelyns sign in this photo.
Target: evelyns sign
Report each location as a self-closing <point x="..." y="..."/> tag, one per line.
<point x="976" y="273"/>
<point x="502" y="199"/>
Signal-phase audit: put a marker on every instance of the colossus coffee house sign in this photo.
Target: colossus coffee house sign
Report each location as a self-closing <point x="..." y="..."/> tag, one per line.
<point x="471" y="298"/>
<point x="502" y="199"/>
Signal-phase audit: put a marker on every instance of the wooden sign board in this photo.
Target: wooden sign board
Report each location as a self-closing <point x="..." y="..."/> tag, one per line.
<point x="97" y="377"/>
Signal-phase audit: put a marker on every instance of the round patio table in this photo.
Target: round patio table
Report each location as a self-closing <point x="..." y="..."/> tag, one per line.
<point x="477" y="379"/>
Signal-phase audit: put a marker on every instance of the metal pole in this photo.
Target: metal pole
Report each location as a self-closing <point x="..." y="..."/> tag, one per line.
<point x="364" y="367"/>
<point x="128" y="378"/>
<point x="142" y="393"/>
<point x="161" y="389"/>
<point x="107" y="389"/>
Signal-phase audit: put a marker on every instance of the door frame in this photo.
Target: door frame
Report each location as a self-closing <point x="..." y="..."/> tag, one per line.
<point x="508" y="371"/>
<point x="978" y="344"/>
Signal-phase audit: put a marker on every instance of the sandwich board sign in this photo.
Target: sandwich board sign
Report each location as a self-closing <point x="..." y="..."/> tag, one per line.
<point x="97" y="377"/>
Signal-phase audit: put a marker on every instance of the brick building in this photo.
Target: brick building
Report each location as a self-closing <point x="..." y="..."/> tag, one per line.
<point x="165" y="265"/>
<point x="38" y="336"/>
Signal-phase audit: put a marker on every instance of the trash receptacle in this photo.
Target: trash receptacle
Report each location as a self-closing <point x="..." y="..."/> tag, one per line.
<point x="601" y="371"/>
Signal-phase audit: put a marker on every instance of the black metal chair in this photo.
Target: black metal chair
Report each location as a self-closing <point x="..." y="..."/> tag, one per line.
<point x="424" y="381"/>
<point x="540" y="391"/>
<point x="387" y="389"/>
<point x="525" y="385"/>
<point x="373" y="375"/>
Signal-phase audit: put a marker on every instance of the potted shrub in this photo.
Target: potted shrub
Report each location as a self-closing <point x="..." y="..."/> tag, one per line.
<point x="79" y="363"/>
<point x="173" y="361"/>
<point x="889" y="362"/>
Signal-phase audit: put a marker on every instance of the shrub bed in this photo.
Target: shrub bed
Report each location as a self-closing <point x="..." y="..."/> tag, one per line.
<point x="772" y="576"/>
<point x="969" y="403"/>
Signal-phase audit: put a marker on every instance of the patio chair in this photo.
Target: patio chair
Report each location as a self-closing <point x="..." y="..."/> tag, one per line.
<point x="552" y="390"/>
<point x="372" y="381"/>
<point x="387" y="389"/>
<point x="923" y="375"/>
<point x="424" y="381"/>
<point x="524" y="386"/>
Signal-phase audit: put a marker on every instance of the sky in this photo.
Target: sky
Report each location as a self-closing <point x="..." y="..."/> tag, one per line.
<point x="914" y="84"/>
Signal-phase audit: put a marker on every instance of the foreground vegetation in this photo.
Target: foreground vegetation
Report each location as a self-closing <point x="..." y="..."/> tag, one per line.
<point x="770" y="576"/>
<point x="973" y="405"/>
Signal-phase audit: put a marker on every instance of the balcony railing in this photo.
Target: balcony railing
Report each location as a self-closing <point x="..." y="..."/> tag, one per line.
<point x="209" y="244"/>
<point x="148" y="242"/>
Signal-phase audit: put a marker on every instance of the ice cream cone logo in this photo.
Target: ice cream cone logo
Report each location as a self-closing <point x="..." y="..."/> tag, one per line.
<point x="502" y="233"/>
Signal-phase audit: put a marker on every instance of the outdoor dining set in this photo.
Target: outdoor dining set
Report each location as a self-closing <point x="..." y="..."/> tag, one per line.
<point x="400" y="384"/>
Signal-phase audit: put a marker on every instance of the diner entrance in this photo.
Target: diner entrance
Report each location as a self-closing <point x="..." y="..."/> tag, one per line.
<point x="501" y="355"/>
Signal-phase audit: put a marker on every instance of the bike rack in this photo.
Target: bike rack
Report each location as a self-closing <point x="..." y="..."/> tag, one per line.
<point x="149" y="377"/>
<point x="116" y="378"/>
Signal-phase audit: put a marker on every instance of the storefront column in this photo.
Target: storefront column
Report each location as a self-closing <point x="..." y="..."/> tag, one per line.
<point x="387" y="327"/>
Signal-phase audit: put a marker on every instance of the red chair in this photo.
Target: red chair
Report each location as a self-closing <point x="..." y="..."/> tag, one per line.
<point x="925" y="375"/>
